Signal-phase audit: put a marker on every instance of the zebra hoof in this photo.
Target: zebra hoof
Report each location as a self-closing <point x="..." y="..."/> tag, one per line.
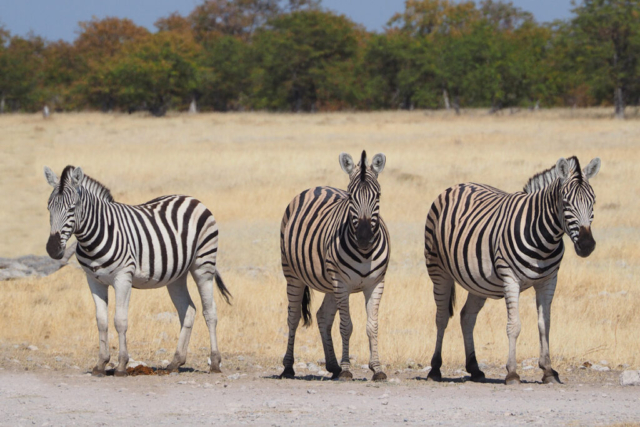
<point x="477" y="377"/>
<point x="512" y="379"/>
<point x="345" y="376"/>
<point x="551" y="377"/>
<point x="215" y="363"/>
<point x="379" y="376"/>
<point x="434" y="375"/>
<point x="288" y="373"/>
<point x="98" y="372"/>
<point x="121" y="373"/>
<point x="336" y="373"/>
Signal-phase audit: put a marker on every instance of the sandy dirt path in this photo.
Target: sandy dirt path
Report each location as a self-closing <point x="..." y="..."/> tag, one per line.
<point x="72" y="397"/>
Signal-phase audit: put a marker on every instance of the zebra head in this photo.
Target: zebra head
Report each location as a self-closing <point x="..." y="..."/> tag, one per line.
<point x="62" y="208"/>
<point x="576" y="202"/>
<point x="364" y="197"/>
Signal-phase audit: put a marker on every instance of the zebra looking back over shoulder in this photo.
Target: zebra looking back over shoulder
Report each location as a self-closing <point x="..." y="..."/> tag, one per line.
<point x="335" y="242"/>
<point x="145" y="246"/>
<point x="496" y="244"/>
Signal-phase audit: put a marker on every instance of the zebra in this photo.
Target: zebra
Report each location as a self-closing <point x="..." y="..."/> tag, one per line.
<point x="335" y="242"/>
<point x="496" y="245"/>
<point x="146" y="246"/>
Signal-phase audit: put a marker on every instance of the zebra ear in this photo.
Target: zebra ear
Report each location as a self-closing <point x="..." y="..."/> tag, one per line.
<point x="592" y="168"/>
<point x="51" y="177"/>
<point x="378" y="162"/>
<point x="563" y="169"/>
<point x="346" y="163"/>
<point x="76" y="177"/>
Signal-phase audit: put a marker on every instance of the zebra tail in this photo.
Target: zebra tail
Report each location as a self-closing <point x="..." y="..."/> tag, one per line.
<point x="452" y="299"/>
<point x="306" y="307"/>
<point x="222" y="288"/>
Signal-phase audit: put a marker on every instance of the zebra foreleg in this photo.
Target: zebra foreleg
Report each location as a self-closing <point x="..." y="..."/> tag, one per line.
<point x="372" y="297"/>
<point x="204" y="281"/>
<point x="122" y="287"/>
<point x="295" y="293"/>
<point x="468" y="317"/>
<point x="186" y="313"/>
<point x="346" y="328"/>
<point x="325" y="317"/>
<point x="512" y="296"/>
<point x="443" y="293"/>
<point x="100" y="294"/>
<point x="544" y="297"/>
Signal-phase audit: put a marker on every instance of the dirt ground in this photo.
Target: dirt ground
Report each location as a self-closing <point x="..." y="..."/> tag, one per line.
<point x="71" y="396"/>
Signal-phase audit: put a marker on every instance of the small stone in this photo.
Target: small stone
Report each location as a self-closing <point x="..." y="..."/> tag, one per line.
<point x="604" y="362"/>
<point x="365" y="367"/>
<point x="164" y="363"/>
<point x="234" y="376"/>
<point x="240" y="358"/>
<point x="628" y="378"/>
<point x="600" y="368"/>
<point x="322" y="361"/>
<point x="311" y="392"/>
<point x="75" y="367"/>
<point x="312" y="367"/>
<point x="58" y="359"/>
<point x="528" y="389"/>
<point x="182" y="382"/>
<point x="271" y="404"/>
<point x="322" y="372"/>
<point x="161" y="351"/>
<point x="527" y="368"/>
<point x="384" y="396"/>
<point x="301" y="365"/>
<point x="62" y="385"/>
<point x="32" y="348"/>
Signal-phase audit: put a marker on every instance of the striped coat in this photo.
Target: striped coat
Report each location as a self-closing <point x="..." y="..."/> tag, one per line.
<point x="146" y="246"/>
<point x="335" y="242"/>
<point x="497" y="244"/>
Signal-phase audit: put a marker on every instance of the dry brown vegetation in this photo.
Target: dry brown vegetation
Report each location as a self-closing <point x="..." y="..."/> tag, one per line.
<point x="247" y="167"/>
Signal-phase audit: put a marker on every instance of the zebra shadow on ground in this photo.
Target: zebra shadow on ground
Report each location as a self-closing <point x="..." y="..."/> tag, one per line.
<point x="465" y="379"/>
<point x="311" y="377"/>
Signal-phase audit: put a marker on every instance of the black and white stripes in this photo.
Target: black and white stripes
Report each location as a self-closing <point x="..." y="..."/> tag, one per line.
<point x="335" y="242"/>
<point x="496" y="244"/>
<point x="146" y="246"/>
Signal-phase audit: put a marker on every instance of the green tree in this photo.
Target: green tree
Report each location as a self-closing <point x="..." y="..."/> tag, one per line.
<point x="305" y="61"/>
<point x="21" y="62"/>
<point x="608" y="35"/>
<point x="155" y="73"/>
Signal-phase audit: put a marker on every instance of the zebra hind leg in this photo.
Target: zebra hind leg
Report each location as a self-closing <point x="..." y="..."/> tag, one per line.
<point x="444" y="295"/>
<point x="204" y="280"/>
<point x="325" y="317"/>
<point x="544" y="296"/>
<point x="295" y="293"/>
<point x="186" y="312"/>
<point x="468" y="317"/>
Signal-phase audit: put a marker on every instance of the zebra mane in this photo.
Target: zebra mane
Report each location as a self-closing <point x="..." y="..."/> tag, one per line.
<point x="545" y="178"/>
<point x="88" y="183"/>
<point x="363" y="166"/>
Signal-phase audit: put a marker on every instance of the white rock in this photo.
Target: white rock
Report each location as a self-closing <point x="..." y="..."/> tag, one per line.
<point x="312" y="367"/>
<point x="234" y="376"/>
<point x="240" y="358"/>
<point x="600" y="368"/>
<point x="32" y="348"/>
<point x="271" y="404"/>
<point x="604" y="362"/>
<point x="322" y="372"/>
<point x="527" y="368"/>
<point x="630" y="378"/>
<point x="301" y="365"/>
<point x="165" y="363"/>
<point x="311" y="391"/>
<point x="322" y="361"/>
<point x="365" y="367"/>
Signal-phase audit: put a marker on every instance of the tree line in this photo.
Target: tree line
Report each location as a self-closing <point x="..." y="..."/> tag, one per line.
<point x="293" y="55"/>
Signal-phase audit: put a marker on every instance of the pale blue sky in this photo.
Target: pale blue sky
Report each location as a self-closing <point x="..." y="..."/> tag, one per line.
<point x="58" y="19"/>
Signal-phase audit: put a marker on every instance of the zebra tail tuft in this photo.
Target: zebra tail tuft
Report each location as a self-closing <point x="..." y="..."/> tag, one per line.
<point x="452" y="300"/>
<point x="222" y="288"/>
<point x="306" y="307"/>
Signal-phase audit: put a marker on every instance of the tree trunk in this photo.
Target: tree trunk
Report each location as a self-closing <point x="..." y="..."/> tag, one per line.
<point x="2" y="104"/>
<point x="456" y="104"/>
<point x="193" y="108"/>
<point x="445" y="96"/>
<point x="618" y="100"/>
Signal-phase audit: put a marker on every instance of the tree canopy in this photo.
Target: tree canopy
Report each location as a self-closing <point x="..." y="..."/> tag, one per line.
<point x="293" y="55"/>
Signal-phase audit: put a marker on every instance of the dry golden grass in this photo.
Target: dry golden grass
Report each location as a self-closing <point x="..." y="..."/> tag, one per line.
<point x="247" y="167"/>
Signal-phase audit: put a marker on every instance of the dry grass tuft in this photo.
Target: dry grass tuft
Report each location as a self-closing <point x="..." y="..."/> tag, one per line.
<point x="247" y="167"/>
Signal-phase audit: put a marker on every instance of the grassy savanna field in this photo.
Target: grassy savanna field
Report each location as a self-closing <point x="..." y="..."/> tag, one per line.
<point x="247" y="167"/>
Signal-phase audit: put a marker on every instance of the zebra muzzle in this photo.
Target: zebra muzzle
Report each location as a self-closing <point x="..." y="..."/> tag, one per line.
<point x="364" y="234"/>
<point x="54" y="247"/>
<point x="585" y="244"/>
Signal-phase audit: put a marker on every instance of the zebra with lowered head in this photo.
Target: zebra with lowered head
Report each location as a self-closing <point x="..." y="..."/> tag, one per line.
<point x="146" y="246"/>
<point x="335" y="242"/>
<point x="496" y="245"/>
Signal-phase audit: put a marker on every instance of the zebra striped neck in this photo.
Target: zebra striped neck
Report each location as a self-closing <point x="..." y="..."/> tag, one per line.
<point x="551" y="209"/>
<point x="93" y="201"/>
